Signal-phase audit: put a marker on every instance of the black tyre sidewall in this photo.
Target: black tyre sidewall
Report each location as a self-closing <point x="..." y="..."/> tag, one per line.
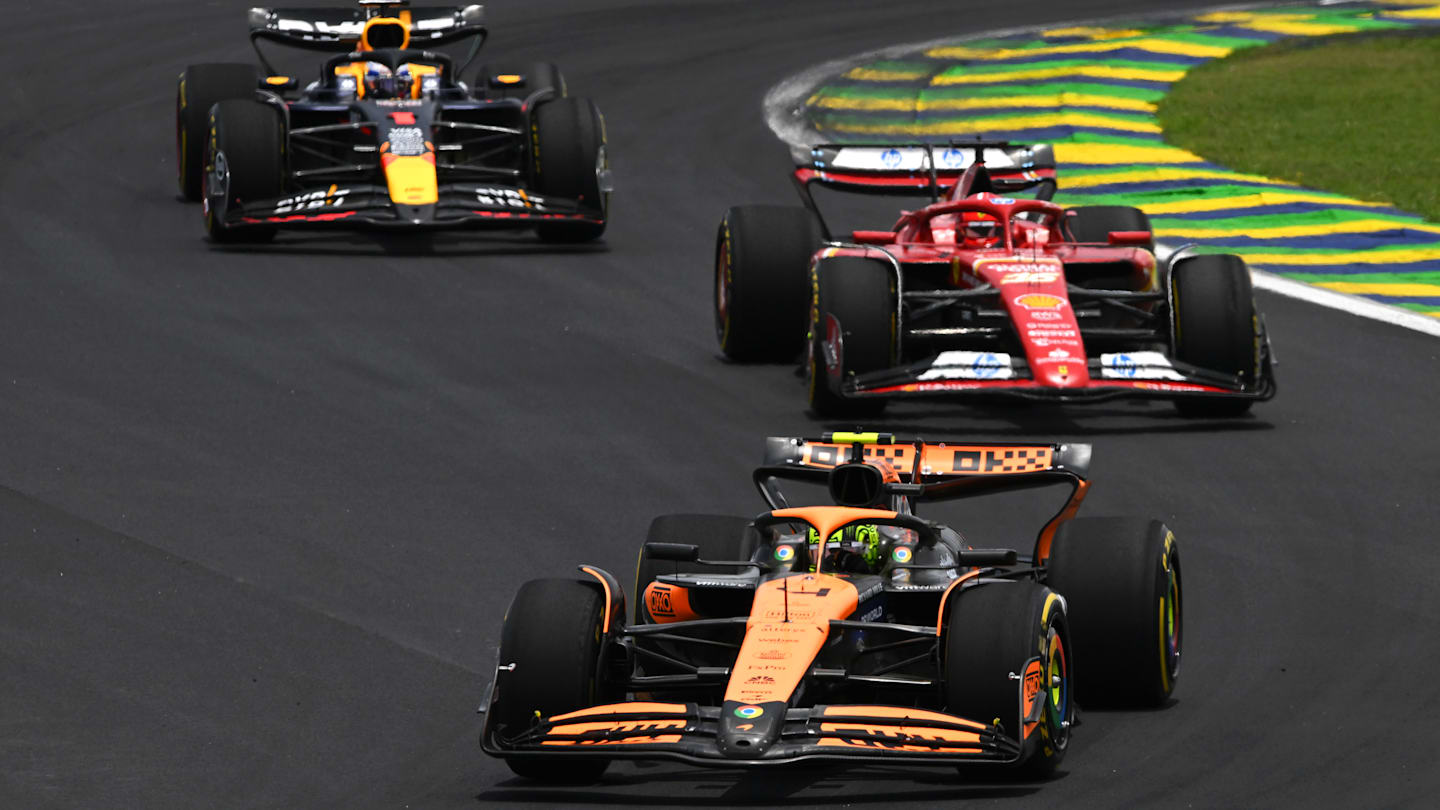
<point x="1114" y="574"/>
<point x="553" y="635"/>
<point x="1215" y="326"/>
<point x="251" y="137"/>
<point x="567" y="142"/>
<point x="991" y="631"/>
<point x="860" y="295"/>
<point x="198" y="89"/>
<point x="762" y="281"/>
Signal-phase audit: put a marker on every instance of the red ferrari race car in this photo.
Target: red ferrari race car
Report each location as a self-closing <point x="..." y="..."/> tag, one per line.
<point x="981" y="292"/>
<point x="856" y="631"/>
<point x="387" y="133"/>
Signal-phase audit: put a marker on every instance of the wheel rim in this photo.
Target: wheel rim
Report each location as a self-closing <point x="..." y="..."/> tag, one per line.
<point x="1170" y="621"/>
<point x="1058" y="691"/>
<point x="722" y="291"/>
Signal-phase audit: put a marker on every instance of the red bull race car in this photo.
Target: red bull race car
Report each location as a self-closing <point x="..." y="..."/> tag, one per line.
<point x="981" y="292"/>
<point x="854" y="632"/>
<point x="388" y="134"/>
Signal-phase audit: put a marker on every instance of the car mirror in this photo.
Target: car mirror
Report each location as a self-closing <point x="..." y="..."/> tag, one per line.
<point x="988" y="556"/>
<point x="673" y="552"/>
<point x="1131" y="238"/>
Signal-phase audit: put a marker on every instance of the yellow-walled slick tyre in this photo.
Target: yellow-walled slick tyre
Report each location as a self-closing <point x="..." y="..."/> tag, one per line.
<point x="1121" y="579"/>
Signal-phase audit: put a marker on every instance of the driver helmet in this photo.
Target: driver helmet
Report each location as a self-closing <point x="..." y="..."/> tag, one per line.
<point x="381" y="82"/>
<point x="857" y="549"/>
<point x="980" y="230"/>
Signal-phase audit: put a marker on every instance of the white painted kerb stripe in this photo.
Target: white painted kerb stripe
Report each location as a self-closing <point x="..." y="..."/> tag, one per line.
<point x="1354" y="304"/>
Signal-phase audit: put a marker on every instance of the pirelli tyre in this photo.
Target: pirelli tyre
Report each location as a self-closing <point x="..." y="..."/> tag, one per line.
<point x="719" y="537"/>
<point x="519" y="81"/>
<point x="552" y="643"/>
<point x="1094" y="223"/>
<point x="199" y="88"/>
<point x="1121" y="580"/>
<point x="570" y="162"/>
<point x="244" y="162"/>
<point x="995" y="632"/>
<point x="762" y="281"/>
<point x="854" y="324"/>
<point x="1215" y="327"/>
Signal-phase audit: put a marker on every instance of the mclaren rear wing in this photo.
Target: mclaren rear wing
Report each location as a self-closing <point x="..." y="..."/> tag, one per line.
<point x="919" y="471"/>
<point x="917" y="461"/>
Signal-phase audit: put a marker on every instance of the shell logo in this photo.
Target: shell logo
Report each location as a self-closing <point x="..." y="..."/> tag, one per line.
<point x="1039" y="301"/>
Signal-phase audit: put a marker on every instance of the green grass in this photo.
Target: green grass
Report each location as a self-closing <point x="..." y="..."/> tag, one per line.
<point x="1355" y="115"/>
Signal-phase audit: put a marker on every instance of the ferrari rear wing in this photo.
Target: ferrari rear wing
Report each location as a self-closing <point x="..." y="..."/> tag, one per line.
<point x="921" y="169"/>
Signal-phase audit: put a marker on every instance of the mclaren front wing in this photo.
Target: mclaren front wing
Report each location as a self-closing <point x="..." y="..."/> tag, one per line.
<point x="765" y="734"/>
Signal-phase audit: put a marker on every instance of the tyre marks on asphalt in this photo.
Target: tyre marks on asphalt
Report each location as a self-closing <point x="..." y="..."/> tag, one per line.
<point x="1092" y="91"/>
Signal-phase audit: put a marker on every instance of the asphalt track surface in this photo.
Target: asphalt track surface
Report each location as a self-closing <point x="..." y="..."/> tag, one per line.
<point x="261" y="511"/>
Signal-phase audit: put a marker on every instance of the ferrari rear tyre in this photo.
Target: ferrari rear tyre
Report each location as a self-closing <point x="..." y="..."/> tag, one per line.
<point x="1215" y="327"/>
<point x="201" y="87"/>
<point x="244" y="162"/>
<point x="1121" y="580"/>
<point x="720" y="537"/>
<point x="570" y="162"/>
<point x="853" y="329"/>
<point x="552" y="638"/>
<point x="992" y="634"/>
<point x="762" y="289"/>
<point x="1093" y="223"/>
<point x="518" y="81"/>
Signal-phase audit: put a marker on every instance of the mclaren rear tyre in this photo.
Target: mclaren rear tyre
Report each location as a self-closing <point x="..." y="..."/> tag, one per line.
<point x="244" y="162"/>
<point x="552" y="638"/>
<point x="519" y="81"/>
<point x="1215" y="327"/>
<point x="201" y="87"/>
<point x="1094" y="223"/>
<point x="762" y="281"/>
<point x="1121" y="580"/>
<point x="571" y="163"/>
<point x="719" y="537"/>
<point x="994" y="633"/>
<point x="853" y="328"/>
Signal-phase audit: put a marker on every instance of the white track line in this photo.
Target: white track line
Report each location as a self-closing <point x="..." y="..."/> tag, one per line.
<point x="784" y="107"/>
<point x="1353" y="304"/>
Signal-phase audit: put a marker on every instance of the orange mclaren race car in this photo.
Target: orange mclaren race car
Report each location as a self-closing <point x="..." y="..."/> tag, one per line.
<point x="387" y="133"/>
<point x="853" y="631"/>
